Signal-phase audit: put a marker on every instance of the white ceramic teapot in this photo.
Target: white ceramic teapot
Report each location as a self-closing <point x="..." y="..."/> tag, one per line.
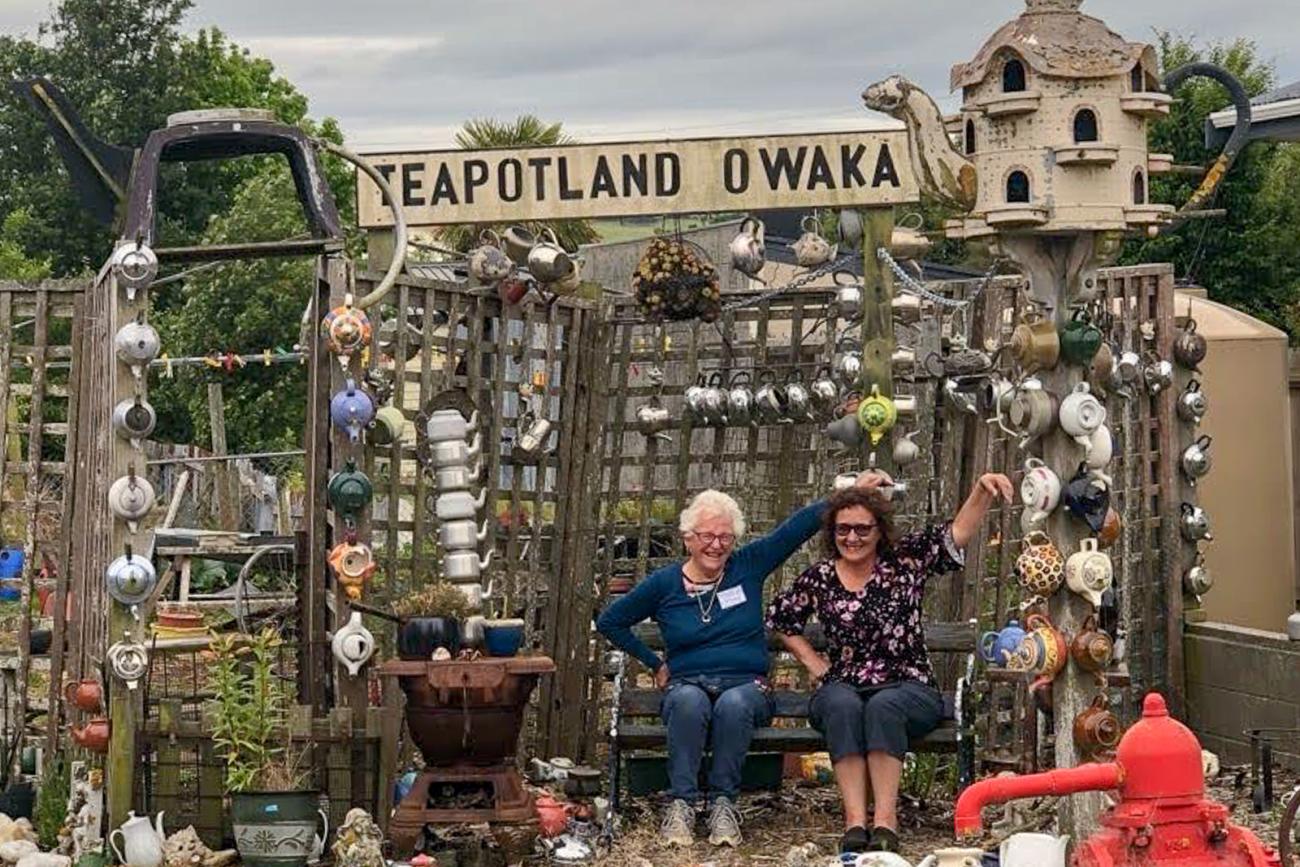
<point x="748" y="249"/>
<point x="142" y="842"/>
<point x="1040" y="490"/>
<point x="1081" y="414"/>
<point x="353" y="644"/>
<point x="1033" y="850"/>
<point x="1089" y="572"/>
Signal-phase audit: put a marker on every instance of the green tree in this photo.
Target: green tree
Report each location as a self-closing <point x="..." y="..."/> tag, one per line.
<point x="1249" y="260"/>
<point x="524" y="131"/>
<point x="15" y="264"/>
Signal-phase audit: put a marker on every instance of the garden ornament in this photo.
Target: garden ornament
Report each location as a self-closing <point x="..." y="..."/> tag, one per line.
<point x="996" y="394"/>
<point x="1158" y="374"/>
<point x="693" y="400"/>
<point x="459" y="505"/>
<point x="353" y="564"/>
<point x="909" y="242"/>
<point x="134" y="419"/>
<point x="142" y="842"/>
<point x="347" y="331"/>
<point x="1087" y="497"/>
<point x="135" y="265"/>
<point x="1126" y="370"/>
<point x="824" y="392"/>
<point x="449" y="424"/>
<point x="1096" y="729"/>
<point x="714" y="400"/>
<point x="85" y="695"/>
<point x="1081" y="414"/>
<point x="513" y="289"/>
<point x="1089" y="572"/>
<point x="458" y="477"/>
<point x="1035" y="343"/>
<point x="1189" y="347"/>
<point x="464" y="565"/>
<point x="848" y="296"/>
<point x="1101" y="448"/>
<point x="798" y="401"/>
<point x="905" y="449"/>
<point x="1195" y="460"/>
<point x="1080" y="339"/>
<point x="131" y="578"/>
<point x="455" y="453"/>
<point x="518" y="243"/>
<point x="1197" y="579"/>
<point x="387" y="427"/>
<point x="461" y="535"/>
<point x="877" y="414"/>
<point x="1040" y="568"/>
<point x="1040" y="490"/>
<point x="748" y="250"/>
<point x="740" y="398"/>
<point x="488" y="262"/>
<point x="548" y="261"/>
<point x="1031" y="412"/>
<point x="475" y="593"/>
<point x="534" y="432"/>
<point x="1092" y="649"/>
<point x="353" y="644"/>
<point x="1195" y="524"/>
<point x="996" y="647"/>
<point x="349" y="492"/>
<point x="130" y="498"/>
<point x="128" y="659"/>
<point x="93" y="736"/>
<point x="1102" y="365"/>
<point x="960" y="398"/>
<point x="812" y="250"/>
<point x="358" y="842"/>
<point x="770" y="398"/>
<point x="137" y="344"/>
<point x="351" y="410"/>
<point x="1192" y="404"/>
<point x="845" y="431"/>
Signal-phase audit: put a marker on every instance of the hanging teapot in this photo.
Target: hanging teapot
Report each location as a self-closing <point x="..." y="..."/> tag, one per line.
<point x="571" y="282"/>
<point x="1111" y="527"/>
<point x="748" y="250"/>
<point x="1081" y="414"/>
<point x="1189" y="347"/>
<point x="346" y="330"/>
<point x="131" y="498"/>
<point x="652" y="416"/>
<point x="349" y="491"/>
<point x="1096" y="729"/>
<point x="353" y="564"/>
<point x="1197" y="579"/>
<point x="846" y="431"/>
<point x="135" y="265"/>
<point x="798" y="401"/>
<point x="533" y="432"/>
<point x="740" y="398"/>
<point x="1087" y="497"/>
<point x="459" y="505"/>
<point x="134" y="419"/>
<point x="848" y="296"/>
<point x="1035" y="343"/>
<point x="1042" y="651"/>
<point x="996" y="647"/>
<point x="812" y="250"/>
<point x="1158" y="374"/>
<point x="128" y="659"/>
<point x="518" y="243"/>
<point x="1101" y="448"/>
<point x="848" y="366"/>
<point x="850" y="228"/>
<point x="449" y="424"/>
<point x="387" y="427"/>
<point x="548" y="261"/>
<point x="1195" y="460"/>
<point x="137" y="344"/>
<point x="770" y="399"/>
<point x="131" y="578"/>
<point x="142" y="842"/>
<point x="823" y="391"/>
<point x="714" y="400"/>
<point x="353" y="644"/>
<point x="1080" y="339"/>
<point x="351" y="410"/>
<point x="455" y="453"/>
<point x="93" y="736"/>
<point x="905" y="449"/>
<point x="1102" y="364"/>
<point x="995" y="395"/>
<point x="1092" y="649"/>
<point x="1089" y="572"/>
<point x="1192" y="404"/>
<point x="1040" y="490"/>
<point x="488" y="262"/>
<point x="1031" y="412"/>
<point x="906" y="242"/>
<point x="1195" y="524"/>
<point x="876" y="415"/>
<point x="693" y="399"/>
<point x="1040" y="568"/>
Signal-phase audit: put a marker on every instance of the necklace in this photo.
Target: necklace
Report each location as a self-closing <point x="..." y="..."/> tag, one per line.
<point x="706" y="612"/>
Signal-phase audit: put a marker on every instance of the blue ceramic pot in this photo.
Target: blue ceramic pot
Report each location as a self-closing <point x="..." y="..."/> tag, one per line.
<point x="11" y="562"/>
<point x="10" y="591"/>
<point x="997" y="647"/>
<point x="503" y="637"/>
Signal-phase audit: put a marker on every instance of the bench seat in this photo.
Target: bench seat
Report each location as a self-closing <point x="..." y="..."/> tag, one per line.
<point x="803" y="739"/>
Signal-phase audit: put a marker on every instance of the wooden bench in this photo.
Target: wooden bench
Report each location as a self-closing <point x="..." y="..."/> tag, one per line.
<point x="637" y="725"/>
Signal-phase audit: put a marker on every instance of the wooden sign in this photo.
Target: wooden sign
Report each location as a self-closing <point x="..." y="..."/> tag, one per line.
<point x="834" y="170"/>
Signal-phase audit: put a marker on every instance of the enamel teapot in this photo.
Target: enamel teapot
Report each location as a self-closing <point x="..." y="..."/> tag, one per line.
<point x="1081" y="414"/>
<point x="824" y="392"/>
<point x="1195" y="524"/>
<point x="1035" y="343"/>
<point x="488" y="262"/>
<point x="131" y="578"/>
<point x="137" y="344"/>
<point x="1195" y="460"/>
<point x="387" y="426"/>
<point x="1040" y="568"/>
<point x="996" y="647"/>
<point x="1189" y="347"/>
<point x="456" y="453"/>
<point x="465" y="565"/>
<point x="1192" y="404"/>
<point x="547" y="260"/>
<point x="848" y="296"/>
<point x="1197" y="579"/>
<point x="351" y="410"/>
<point x="142" y="842"/>
<point x="349" y="491"/>
<point x="131" y="498"/>
<point x="1040" y="490"/>
<point x="134" y="419"/>
<point x="877" y="414"/>
<point x="1080" y="339"/>
<point x="812" y="250"/>
<point x="748" y="250"/>
<point x="906" y="450"/>
<point x="353" y="563"/>
<point x="353" y="644"/>
<point x="459" y="505"/>
<point x="347" y="331"/>
<point x="135" y="265"/>
<point x="1089" y="572"/>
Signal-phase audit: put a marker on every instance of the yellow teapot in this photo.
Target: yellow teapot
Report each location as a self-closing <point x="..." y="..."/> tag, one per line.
<point x="877" y="414"/>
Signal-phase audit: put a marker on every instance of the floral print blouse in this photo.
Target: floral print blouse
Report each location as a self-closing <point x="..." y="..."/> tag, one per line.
<point x="873" y="636"/>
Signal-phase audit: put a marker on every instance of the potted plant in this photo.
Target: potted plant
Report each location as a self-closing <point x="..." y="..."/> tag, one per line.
<point x="274" y="814"/>
<point x="430" y="618"/>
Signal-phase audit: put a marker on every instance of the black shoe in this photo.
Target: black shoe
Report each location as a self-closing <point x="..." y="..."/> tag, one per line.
<point x="884" y="840"/>
<point x="856" y="839"/>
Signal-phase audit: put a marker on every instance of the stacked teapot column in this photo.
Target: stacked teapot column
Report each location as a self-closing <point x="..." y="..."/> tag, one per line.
<point x="347" y="334"/>
<point x="1194" y="462"/>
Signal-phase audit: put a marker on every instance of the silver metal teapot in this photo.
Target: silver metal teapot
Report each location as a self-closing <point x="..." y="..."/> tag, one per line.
<point x="1197" y="580"/>
<point x="488" y="262"/>
<point x="1189" y="347"/>
<point x="906" y="450"/>
<point x="1192" y="403"/>
<point x="137" y="344"/>
<point x="740" y="399"/>
<point x="135" y="265"/>
<point x="824" y="392"/>
<point x="1158" y="375"/>
<point x="848" y="296"/>
<point x="652" y="416"/>
<point x="1195" y="460"/>
<point x="134" y="419"/>
<point x="770" y="399"/>
<point x="1195" y="524"/>
<point x="848" y="366"/>
<point x="798" y="401"/>
<point x="548" y="261"/>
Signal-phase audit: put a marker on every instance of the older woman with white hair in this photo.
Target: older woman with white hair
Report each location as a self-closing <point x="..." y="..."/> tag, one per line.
<point x="710" y="612"/>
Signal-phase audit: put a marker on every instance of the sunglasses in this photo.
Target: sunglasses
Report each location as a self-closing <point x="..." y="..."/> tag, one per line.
<point x="726" y="540"/>
<point x="860" y="530"/>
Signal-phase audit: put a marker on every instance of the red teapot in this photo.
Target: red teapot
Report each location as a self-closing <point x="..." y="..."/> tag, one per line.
<point x="92" y="736"/>
<point x="86" y="695"/>
<point x="552" y="816"/>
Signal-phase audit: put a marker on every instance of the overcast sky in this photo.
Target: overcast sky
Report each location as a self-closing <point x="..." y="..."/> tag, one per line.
<point x="402" y="73"/>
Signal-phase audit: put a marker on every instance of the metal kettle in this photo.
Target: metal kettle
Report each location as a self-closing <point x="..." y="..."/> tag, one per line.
<point x="848" y="295"/>
<point x="848" y="366"/>
<point x="130" y="498"/>
<point x="823" y="391"/>
<point x="798" y="401"/>
<point x="1195" y="461"/>
<point x="1192" y="404"/>
<point x="134" y="419"/>
<point x="137" y="344"/>
<point x="131" y="578"/>
<point x="812" y="250"/>
<point x="1189" y="347"/>
<point x="748" y="249"/>
<point x="740" y="399"/>
<point x="1195" y="524"/>
<point x="135" y="265"/>
<point x="1197" y="580"/>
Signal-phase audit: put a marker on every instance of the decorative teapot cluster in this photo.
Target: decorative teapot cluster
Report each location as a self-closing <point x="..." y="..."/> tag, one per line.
<point x="518" y="261"/>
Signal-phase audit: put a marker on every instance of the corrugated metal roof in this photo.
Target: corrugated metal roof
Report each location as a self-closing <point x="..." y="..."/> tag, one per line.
<point x="446" y="272"/>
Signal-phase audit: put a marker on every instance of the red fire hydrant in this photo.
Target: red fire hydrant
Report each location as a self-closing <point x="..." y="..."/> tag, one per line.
<point x="1162" y="816"/>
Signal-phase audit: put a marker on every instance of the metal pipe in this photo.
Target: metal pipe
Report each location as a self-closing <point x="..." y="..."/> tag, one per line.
<point x="399" y="223"/>
<point x="968" y="822"/>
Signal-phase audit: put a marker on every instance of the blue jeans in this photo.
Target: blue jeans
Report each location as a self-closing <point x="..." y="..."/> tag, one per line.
<point x="732" y="708"/>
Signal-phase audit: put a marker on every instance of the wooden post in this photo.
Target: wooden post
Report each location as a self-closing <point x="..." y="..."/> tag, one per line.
<point x="877" y="322"/>
<point x="227" y="480"/>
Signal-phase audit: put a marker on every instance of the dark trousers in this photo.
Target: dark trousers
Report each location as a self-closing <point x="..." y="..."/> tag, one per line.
<point x="728" y="708"/>
<point x="856" y="721"/>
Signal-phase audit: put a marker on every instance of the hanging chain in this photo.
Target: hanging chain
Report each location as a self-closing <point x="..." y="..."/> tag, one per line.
<point x="797" y="283"/>
<point x="911" y="286"/>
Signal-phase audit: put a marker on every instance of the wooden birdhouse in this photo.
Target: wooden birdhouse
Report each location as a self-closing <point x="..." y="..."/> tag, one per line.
<point x="1054" y="118"/>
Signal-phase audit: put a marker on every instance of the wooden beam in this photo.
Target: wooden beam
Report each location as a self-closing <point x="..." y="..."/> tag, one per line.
<point x="877" y="322"/>
<point x="227" y="481"/>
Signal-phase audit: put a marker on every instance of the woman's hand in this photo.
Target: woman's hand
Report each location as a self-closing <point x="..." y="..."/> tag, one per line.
<point x="989" y="488"/>
<point x="870" y="480"/>
<point x="995" y="485"/>
<point x="817" y="667"/>
<point x="661" y="676"/>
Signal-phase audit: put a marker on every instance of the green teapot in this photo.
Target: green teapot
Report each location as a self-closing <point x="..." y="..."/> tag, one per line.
<point x="1080" y="339"/>
<point x="877" y="414"/>
<point x="349" y="491"/>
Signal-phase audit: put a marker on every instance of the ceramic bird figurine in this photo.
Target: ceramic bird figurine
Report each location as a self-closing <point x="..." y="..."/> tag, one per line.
<point x="359" y="842"/>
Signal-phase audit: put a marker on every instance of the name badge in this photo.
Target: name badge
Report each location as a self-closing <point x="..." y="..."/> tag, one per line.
<point x="731" y="597"/>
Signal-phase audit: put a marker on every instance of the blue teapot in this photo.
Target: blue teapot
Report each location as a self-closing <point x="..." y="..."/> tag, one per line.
<point x="998" y="647"/>
<point x="351" y="410"/>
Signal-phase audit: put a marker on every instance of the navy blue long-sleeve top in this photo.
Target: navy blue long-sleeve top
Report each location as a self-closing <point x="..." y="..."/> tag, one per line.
<point x="733" y="643"/>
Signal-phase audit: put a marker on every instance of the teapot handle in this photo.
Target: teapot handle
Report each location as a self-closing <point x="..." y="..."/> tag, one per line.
<point x="489" y="238"/>
<point x="803" y="224"/>
<point x="1204" y="441"/>
<point x="736" y="378"/>
<point x="716" y="379"/>
<point x="116" y="851"/>
<point x="1186" y="508"/>
<point x="550" y="235"/>
<point x="1190" y="327"/>
<point x="795" y="375"/>
<point x="767" y="377"/>
<point x="843" y="272"/>
<point x="1037" y="621"/>
<point x="1090" y="623"/>
<point x="325" y="835"/>
<point x="1193" y="385"/>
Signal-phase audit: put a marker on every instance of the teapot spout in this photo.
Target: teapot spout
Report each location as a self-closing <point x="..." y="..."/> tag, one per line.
<point x="158" y="826"/>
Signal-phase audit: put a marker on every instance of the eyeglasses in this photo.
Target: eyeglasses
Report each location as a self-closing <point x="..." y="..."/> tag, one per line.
<point x="726" y="540"/>
<point x="861" y="530"/>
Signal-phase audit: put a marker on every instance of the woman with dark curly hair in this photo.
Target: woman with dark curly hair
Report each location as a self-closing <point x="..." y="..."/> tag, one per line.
<point x="875" y="686"/>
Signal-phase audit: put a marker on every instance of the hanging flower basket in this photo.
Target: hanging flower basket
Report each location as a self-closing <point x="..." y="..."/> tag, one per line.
<point x="675" y="280"/>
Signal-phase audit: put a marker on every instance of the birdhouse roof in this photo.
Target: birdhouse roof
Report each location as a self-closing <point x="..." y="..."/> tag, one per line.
<point x="1056" y="39"/>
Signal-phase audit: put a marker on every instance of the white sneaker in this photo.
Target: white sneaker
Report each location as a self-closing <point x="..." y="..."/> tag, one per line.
<point x="724" y="823"/>
<point x="678" y="828"/>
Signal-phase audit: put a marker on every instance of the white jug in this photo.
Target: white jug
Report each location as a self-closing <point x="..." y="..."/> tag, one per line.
<point x="142" y="843"/>
<point x="1033" y="850"/>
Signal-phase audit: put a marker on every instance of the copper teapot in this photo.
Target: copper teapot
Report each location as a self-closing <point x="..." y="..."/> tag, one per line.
<point x="1096" y="729"/>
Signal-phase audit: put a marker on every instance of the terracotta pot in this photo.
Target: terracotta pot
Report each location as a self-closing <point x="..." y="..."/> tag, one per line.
<point x="92" y="736"/>
<point x="180" y="619"/>
<point x="86" y="695"/>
